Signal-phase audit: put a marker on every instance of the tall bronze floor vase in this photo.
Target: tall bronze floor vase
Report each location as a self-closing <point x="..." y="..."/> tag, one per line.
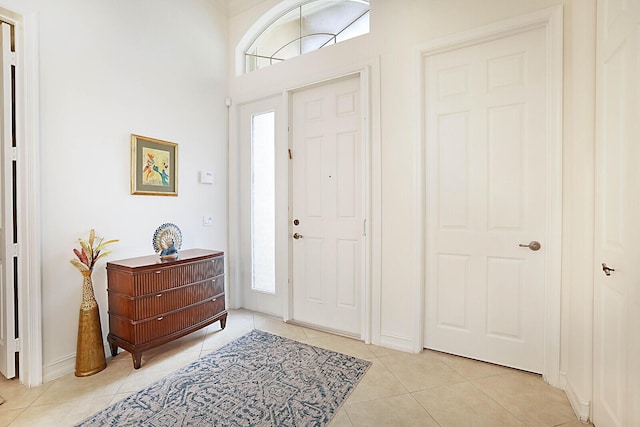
<point x="90" y="357"/>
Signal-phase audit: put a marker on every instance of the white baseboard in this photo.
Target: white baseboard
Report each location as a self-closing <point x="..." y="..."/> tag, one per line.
<point x="58" y="368"/>
<point x="581" y="408"/>
<point x="66" y="365"/>
<point x="397" y="343"/>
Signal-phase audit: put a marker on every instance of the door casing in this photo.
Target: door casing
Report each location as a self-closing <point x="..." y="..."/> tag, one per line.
<point x="551" y="20"/>
<point x="369" y="74"/>
<point x="28" y="183"/>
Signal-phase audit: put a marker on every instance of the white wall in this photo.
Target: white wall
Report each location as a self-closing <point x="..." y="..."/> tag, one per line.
<point x="578" y="227"/>
<point x="397" y="29"/>
<point x="109" y="69"/>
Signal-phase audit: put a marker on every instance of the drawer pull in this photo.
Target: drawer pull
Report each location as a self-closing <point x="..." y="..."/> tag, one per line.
<point x="160" y="318"/>
<point x="158" y="272"/>
<point x="158" y="296"/>
<point x="214" y="299"/>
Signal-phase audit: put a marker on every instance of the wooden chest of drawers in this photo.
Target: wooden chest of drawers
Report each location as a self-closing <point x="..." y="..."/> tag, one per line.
<point x="152" y="302"/>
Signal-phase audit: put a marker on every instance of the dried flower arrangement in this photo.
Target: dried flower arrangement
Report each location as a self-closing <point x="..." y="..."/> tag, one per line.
<point x="90" y="251"/>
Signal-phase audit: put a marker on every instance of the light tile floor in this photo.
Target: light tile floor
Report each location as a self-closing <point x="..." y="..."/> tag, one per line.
<point x="400" y="389"/>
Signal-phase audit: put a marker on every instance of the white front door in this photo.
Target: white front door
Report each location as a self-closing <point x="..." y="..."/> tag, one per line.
<point x="327" y="206"/>
<point x="8" y="345"/>
<point x="616" y="385"/>
<point x="486" y="162"/>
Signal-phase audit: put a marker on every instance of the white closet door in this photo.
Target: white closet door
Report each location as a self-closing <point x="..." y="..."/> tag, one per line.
<point x="486" y="198"/>
<point x="616" y="393"/>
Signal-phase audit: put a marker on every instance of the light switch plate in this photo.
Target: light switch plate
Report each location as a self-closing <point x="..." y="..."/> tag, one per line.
<point x="207" y="177"/>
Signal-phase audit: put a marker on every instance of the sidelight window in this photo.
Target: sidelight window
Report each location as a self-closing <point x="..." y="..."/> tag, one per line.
<point x="263" y="202"/>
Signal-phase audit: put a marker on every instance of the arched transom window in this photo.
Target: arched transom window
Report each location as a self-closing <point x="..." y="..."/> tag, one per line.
<point x="307" y="27"/>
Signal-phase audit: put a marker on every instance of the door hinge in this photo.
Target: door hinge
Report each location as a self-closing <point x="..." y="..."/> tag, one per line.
<point x="364" y="227"/>
<point x="14" y="250"/>
<point x="14" y="154"/>
<point x="16" y="345"/>
<point x="290" y="154"/>
<point x="13" y="59"/>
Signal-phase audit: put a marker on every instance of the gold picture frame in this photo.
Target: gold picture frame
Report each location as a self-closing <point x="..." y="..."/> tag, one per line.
<point x="154" y="166"/>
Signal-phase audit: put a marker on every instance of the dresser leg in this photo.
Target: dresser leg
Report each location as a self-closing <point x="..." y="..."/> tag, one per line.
<point x="114" y="349"/>
<point x="137" y="360"/>
<point x="223" y="321"/>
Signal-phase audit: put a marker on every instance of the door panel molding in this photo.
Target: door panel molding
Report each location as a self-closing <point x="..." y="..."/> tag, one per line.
<point x="551" y="21"/>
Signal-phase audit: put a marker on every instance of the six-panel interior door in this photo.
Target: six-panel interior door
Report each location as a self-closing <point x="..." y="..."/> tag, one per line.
<point x="327" y="205"/>
<point x="616" y="393"/>
<point x="486" y="164"/>
<point x="7" y="308"/>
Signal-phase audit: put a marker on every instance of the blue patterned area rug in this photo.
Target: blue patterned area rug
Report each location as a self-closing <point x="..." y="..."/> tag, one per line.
<point x="259" y="379"/>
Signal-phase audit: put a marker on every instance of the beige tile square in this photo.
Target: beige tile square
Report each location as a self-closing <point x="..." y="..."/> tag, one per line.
<point x="72" y="388"/>
<point x="340" y="419"/>
<point x="383" y="351"/>
<point x="6" y="417"/>
<point x="529" y="398"/>
<point x="60" y="415"/>
<point x="463" y="404"/>
<point x="314" y="333"/>
<point x="278" y="327"/>
<point x="17" y="396"/>
<point x="377" y="383"/>
<point x="420" y="372"/>
<point x="471" y="369"/>
<point x="390" y="411"/>
<point x="348" y="346"/>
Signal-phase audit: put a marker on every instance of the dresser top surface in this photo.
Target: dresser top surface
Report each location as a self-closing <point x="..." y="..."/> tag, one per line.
<point x="185" y="256"/>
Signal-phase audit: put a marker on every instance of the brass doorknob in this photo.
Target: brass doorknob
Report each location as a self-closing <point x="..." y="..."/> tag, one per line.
<point x="297" y="236"/>
<point x="534" y="246"/>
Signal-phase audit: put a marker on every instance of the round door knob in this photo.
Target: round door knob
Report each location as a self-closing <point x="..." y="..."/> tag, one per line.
<point x="297" y="236"/>
<point x="534" y="246"/>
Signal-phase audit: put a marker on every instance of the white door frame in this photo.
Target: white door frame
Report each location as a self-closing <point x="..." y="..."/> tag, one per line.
<point x="29" y="250"/>
<point x="551" y="20"/>
<point x="369" y="72"/>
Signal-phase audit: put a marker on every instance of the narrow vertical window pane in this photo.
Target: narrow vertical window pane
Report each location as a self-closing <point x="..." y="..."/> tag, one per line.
<point x="263" y="202"/>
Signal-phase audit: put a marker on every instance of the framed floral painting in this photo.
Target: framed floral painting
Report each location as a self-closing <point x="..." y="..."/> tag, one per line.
<point x="154" y="166"/>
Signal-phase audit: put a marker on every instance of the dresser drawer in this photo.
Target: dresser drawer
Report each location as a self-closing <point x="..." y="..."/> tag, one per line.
<point x="161" y="279"/>
<point x="139" y="308"/>
<point x="140" y="332"/>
